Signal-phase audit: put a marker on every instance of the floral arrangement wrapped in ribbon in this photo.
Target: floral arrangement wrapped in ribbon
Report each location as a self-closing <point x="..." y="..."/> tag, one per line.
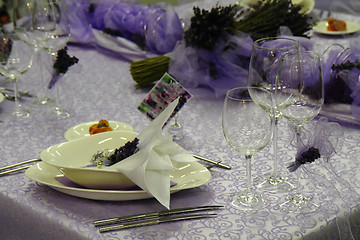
<point x="319" y="143"/>
<point x="137" y="27"/>
<point x="341" y="68"/>
<point x="213" y="53"/>
<point x="216" y="48"/>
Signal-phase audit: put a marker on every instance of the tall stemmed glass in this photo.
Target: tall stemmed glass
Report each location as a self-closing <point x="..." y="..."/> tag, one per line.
<point x="247" y="128"/>
<point x="36" y="27"/>
<point x="262" y="73"/>
<point x="301" y="112"/>
<point x="58" y="41"/>
<point x="16" y="59"/>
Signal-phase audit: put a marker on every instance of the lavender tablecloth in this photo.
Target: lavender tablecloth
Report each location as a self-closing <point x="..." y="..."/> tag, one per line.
<point x="103" y="88"/>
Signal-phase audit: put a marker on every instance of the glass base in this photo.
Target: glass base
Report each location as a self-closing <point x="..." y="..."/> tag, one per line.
<point x="247" y="200"/>
<point x="274" y="184"/>
<point x="42" y="102"/>
<point x="16" y="115"/>
<point x="21" y="115"/>
<point x="299" y="204"/>
<point x="59" y="113"/>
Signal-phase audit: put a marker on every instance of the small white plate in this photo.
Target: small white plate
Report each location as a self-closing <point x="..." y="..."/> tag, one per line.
<point x="1" y="97"/>
<point x="187" y="175"/>
<point x="82" y="130"/>
<point x="321" y="27"/>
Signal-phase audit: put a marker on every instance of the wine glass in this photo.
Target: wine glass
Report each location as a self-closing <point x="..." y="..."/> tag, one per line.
<point x="247" y="128"/>
<point x="306" y="108"/>
<point x="16" y="58"/>
<point x="57" y="43"/>
<point x="41" y="26"/>
<point x="262" y="73"/>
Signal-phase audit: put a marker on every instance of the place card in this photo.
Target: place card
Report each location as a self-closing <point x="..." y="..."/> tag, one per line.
<point x="166" y="90"/>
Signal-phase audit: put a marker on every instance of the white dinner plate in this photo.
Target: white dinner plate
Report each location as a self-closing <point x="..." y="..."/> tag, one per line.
<point x="82" y="130"/>
<point x="187" y="175"/>
<point x="1" y="97"/>
<point x="321" y="27"/>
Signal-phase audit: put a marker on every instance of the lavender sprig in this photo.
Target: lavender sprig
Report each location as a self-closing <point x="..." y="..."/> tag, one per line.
<point x="348" y="65"/>
<point x="61" y="65"/>
<point x="308" y="156"/>
<point x="123" y="152"/>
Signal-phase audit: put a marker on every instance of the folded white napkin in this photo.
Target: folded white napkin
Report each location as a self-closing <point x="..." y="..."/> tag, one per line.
<point x="150" y="167"/>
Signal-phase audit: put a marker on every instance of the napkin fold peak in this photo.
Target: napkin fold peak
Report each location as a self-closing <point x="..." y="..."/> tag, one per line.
<point x="151" y="166"/>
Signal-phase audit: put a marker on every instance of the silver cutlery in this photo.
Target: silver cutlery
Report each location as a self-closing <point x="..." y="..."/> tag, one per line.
<point x="155" y="221"/>
<point x="9" y="97"/>
<point x="2" y="173"/>
<point x="26" y="94"/>
<point x="212" y="165"/>
<point x="218" y="164"/>
<point x="153" y="215"/>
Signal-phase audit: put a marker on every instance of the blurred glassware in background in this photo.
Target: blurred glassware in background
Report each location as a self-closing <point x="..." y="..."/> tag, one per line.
<point x="16" y="58"/>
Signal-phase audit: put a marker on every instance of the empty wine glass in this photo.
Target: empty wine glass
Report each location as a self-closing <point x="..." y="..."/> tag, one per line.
<point x="42" y="26"/>
<point x="247" y="128"/>
<point x="302" y="111"/>
<point x="16" y="59"/>
<point x="262" y="73"/>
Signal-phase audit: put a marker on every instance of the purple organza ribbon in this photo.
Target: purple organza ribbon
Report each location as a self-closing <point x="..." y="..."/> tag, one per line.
<point x="324" y="137"/>
<point x="342" y="86"/>
<point x="230" y="59"/>
<point x="192" y="67"/>
<point x="156" y="26"/>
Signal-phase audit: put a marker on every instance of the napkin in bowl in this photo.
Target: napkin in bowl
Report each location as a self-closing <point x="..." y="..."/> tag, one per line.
<point x="150" y="166"/>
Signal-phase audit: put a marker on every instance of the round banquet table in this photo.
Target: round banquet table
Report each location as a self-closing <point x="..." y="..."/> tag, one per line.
<point x="101" y="87"/>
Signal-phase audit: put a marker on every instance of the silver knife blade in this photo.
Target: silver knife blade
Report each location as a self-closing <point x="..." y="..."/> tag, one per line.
<point x="26" y="94"/>
<point x="152" y="215"/>
<point x="155" y="221"/>
<point x="213" y="162"/>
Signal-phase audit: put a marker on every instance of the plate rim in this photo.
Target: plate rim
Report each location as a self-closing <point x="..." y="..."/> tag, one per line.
<point x="320" y="24"/>
<point x="83" y="191"/>
<point x="67" y="132"/>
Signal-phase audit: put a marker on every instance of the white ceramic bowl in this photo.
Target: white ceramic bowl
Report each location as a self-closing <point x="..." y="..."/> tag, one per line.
<point x="71" y="157"/>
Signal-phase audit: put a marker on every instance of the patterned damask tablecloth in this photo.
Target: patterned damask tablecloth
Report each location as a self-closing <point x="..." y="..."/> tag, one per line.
<point x="103" y="88"/>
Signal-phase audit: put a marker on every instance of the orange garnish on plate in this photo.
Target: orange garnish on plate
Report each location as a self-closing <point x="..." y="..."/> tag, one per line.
<point x="102" y="126"/>
<point x="336" y="25"/>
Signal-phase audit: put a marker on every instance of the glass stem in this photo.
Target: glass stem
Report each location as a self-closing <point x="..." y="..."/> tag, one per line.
<point x="16" y="95"/>
<point x="248" y="172"/>
<point x="275" y="145"/>
<point x="298" y="171"/>
<point x="176" y="123"/>
<point x="57" y="97"/>
<point x="42" y="92"/>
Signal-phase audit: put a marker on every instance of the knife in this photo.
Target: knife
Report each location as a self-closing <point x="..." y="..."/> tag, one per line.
<point x="213" y="162"/>
<point x="155" y="221"/>
<point x="153" y="215"/>
<point x="26" y="94"/>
